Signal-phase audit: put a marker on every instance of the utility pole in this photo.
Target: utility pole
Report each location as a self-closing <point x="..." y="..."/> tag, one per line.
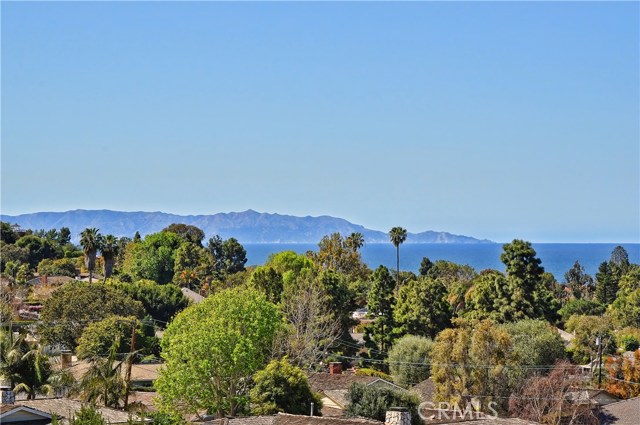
<point x="129" y="364"/>
<point x="599" y="344"/>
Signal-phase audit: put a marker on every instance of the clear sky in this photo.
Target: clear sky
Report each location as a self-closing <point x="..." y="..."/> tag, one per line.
<point x="495" y="120"/>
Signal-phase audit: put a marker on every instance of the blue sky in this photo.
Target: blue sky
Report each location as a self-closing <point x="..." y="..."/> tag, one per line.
<point x="496" y="120"/>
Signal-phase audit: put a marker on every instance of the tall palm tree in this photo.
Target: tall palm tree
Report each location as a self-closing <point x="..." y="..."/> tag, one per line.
<point x="109" y="251"/>
<point x="355" y="241"/>
<point x="397" y="235"/>
<point x="91" y="241"/>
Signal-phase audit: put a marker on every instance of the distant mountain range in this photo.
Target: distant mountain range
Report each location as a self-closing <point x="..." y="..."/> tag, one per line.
<point x="247" y="226"/>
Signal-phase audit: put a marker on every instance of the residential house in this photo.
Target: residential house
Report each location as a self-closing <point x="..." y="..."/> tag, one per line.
<point x="333" y="387"/>
<point x="17" y="414"/>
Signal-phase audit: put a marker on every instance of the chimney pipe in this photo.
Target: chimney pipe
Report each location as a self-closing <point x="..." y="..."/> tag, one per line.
<point x="65" y="359"/>
<point x="7" y="397"/>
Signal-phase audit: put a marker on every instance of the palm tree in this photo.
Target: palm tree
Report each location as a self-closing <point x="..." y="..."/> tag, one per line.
<point x="103" y="381"/>
<point x="109" y="251"/>
<point x="355" y="241"/>
<point x="27" y="367"/>
<point x="397" y="235"/>
<point x="91" y="241"/>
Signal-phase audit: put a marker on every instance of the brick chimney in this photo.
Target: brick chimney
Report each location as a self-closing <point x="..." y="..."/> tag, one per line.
<point x="397" y="416"/>
<point x="44" y="280"/>
<point x="7" y="397"/>
<point x="335" y="368"/>
<point x="65" y="359"/>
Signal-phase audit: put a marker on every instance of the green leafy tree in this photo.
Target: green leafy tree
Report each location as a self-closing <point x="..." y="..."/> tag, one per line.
<point x="494" y="296"/>
<point x="409" y="360"/>
<point x="534" y="343"/>
<point x="212" y="348"/>
<point x="8" y="233"/>
<point x="581" y="307"/>
<point x="188" y="233"/>
<point x="290" y="265"/>
<point x="580" y="283"/>
<point x="109" y="250"/>
<point x="91" y="241"/>
<point x="229" y="256"/>
<point x="282" y="387"/>
<point x="161" y="302"/>
<point x="379" y="335"/>
<point x="75" y="305"/>
<point x="341" y="255"/>
<point x="38" y="249"/>
<point x="153" y="258"/>
<point x="98" y="337"/>
<point x="398" y="236"/>
<point x="190" y="265"/>
<point x="625" y="310"/>
<point x="373" y="402"/>
<point x="60" y="267"/>
<point x="267" y="280"/>
<point x="422" y="308"/>
<point x="12" y="254"/>
<point x="425" y="266"/>
<point x="586" y="329"/>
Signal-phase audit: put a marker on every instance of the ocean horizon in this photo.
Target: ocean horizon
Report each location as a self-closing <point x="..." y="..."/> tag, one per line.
<point x="557" y="258"/>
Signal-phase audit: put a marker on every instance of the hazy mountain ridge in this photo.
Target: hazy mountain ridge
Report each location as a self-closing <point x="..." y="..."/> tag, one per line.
<point x="247" y="226"/>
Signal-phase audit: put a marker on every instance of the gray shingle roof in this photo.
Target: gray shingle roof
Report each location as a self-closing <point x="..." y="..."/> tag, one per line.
<point x="626" y="412"/>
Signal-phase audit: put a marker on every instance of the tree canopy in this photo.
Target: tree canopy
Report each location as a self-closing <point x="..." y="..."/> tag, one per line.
<point x="211" y="348"/>
<point x="75" y="305"/>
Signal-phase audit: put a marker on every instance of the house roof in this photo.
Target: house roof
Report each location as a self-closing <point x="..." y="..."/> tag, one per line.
<point x="192" y="295"/>
<point x="28" y="414"/>
<point x="590" y="395"/>
<point x="66" y="407"/>
<point x="51" y="280"/>
<point x="493" y="421"/>
<point x="139" y="372"/>
<point x="287" y="419"/>
<point x="323" y="382"/>
<point x="566" y="336"/>
<point x="625" y="412"/>
<point x="425" y="390"/>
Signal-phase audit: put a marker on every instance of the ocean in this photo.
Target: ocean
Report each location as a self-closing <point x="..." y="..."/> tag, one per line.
<point x="556" y="258"/>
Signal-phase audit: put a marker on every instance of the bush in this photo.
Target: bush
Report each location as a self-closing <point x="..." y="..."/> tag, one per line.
<point x="409" y="358"/>
<point x="365" y="371"/>
<point x="87" y="415"/>
<point x="282" y="387"/>
<point x="628" y="339"/>
<point x="373" y="402"/>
